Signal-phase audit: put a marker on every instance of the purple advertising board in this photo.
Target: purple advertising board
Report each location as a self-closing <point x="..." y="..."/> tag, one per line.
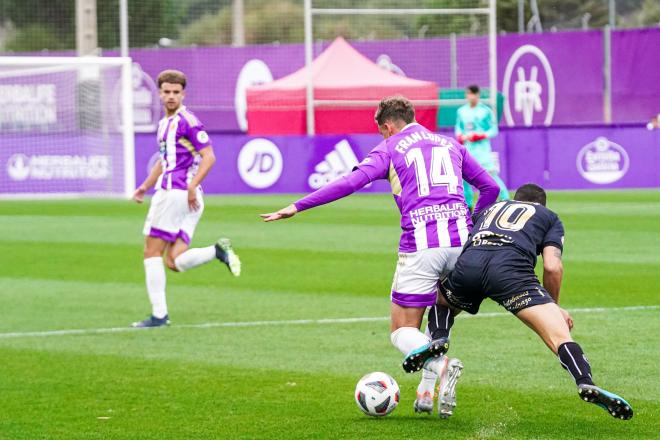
<point x="596" y="157"/>
<point x="61" y="163"/>
<point x="57" y="134"/>
<point x="593" y="157"/>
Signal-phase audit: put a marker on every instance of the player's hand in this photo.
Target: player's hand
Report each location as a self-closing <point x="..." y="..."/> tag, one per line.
<point x="193" y="203"/>
<point x="139" y="193"/>
<point x="567" y="318"/>
<point x="461" y="139"/>
<point x="287" y="212"/>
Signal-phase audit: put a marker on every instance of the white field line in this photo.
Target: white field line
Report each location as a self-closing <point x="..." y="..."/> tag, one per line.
<point x="94" y="331"/>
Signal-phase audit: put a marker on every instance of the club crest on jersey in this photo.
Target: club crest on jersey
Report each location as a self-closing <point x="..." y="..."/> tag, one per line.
<point x="202" y="137"/>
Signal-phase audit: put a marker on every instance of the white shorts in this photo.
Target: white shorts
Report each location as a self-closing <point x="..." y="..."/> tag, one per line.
<point x="418" y="274"/>
<point x="170" y="217"/>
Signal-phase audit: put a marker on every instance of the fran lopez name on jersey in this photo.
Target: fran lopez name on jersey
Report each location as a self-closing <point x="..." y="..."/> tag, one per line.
<point x="418" y="136"/>
<point x="438" y="212"/>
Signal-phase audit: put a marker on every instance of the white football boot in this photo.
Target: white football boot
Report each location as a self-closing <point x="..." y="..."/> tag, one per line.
<point x="225" y="253"/>
<point x="424" y="403"/>
<point x="447" y="388"/>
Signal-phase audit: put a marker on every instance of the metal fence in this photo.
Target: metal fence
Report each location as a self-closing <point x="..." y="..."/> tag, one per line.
<point x="45" y="25"/>
<point x="214" y="41"/>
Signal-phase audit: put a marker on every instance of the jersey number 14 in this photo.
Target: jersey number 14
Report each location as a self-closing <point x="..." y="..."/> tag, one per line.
<point x="442" y="170"/>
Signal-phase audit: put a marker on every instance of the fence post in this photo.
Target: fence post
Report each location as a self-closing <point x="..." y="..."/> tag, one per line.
<point x="453" y="61"/>
<point x="309" y="58"/>
<point x="86" y="28"/>
<point x="492" y="55"/>
<point x="607" y="75"/>
<point x="238" y="23"/>
<point x="123" y="28"/>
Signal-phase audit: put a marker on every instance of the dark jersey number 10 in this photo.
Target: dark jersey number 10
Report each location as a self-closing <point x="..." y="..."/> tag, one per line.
<point x="513" y="217"/>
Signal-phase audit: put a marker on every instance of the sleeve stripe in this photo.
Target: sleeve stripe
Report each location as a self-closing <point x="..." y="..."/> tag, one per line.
<point x="190" y="118"/>
<point x="188" y="145"/>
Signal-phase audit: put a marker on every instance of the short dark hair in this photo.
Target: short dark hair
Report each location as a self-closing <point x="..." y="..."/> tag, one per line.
<point x="473" y="88"/>
<point x="395" y="108"/>
<point x="172" y="77"/>
<point x="530" y="192"/>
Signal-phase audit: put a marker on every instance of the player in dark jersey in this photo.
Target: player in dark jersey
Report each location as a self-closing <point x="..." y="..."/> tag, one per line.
<point x="498" y="262"/>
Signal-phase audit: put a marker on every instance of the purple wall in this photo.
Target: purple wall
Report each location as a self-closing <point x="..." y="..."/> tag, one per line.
<point x="573" y="75"/>
<point x="571" y="63"/>
<point x="635" y="75"/>
<point x="596" y="157"/>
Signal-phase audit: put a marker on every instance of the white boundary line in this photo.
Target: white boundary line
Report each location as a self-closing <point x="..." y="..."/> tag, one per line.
<point x="95" y="331"/>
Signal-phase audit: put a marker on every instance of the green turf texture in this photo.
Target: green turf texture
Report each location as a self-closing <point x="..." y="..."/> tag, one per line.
<point x="78" y="265"/>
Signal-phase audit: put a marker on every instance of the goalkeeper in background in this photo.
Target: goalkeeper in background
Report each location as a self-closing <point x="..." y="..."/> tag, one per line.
<point x="475" y="125"/>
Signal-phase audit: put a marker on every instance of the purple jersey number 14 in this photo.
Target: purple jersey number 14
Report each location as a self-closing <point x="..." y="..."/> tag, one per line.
<point x="442" y="170"/>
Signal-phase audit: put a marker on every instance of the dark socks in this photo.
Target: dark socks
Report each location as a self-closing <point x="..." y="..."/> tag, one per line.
<point x="221" y="254"/>
<point x="441" y="319"/>
<point x="572" y="358"/>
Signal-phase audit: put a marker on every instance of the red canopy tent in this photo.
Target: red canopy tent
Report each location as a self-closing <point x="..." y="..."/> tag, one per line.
<point x="343" y="75"/>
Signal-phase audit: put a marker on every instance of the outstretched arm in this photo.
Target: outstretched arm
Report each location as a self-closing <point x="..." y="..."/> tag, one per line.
<point x="336" y="190"/>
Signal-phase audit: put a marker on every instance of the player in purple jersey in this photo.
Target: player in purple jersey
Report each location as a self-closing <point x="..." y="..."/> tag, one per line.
<point x="425" y="171"/>
<point x="186" y="157"/>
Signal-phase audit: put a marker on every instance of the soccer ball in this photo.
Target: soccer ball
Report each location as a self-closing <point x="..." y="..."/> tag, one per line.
<point x="377" y="394"/>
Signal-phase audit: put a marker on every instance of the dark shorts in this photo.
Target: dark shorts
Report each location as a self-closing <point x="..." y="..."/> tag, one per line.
<point x="504" y="275"/>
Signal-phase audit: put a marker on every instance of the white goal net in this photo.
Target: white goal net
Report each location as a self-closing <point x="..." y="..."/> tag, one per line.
<point x="66" y="127"/>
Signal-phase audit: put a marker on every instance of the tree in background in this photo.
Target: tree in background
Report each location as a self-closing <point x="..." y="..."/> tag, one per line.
<point x="50" y="25"/>
<point x="265" y="22"/>
<point x="647" y="15"/>
<point x="569" y="14"/>
<point x="34" y="25"/>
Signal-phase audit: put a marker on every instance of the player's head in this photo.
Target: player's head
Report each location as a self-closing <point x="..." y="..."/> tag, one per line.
<point x="472" y="94"/>
<point x="394" y="113"/>
<point x="171" y="86"/>
<point x="530" y="192"/>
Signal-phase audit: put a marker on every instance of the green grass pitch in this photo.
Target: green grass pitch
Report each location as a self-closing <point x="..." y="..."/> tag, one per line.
<point x="78" y="265"/>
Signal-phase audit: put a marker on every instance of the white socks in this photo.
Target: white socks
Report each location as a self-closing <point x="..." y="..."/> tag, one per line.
<point x="154" y="269"/>
<point x="427" y="384"/>
<point x="436" y="366"/>
<point x="194" y="257"/>
<point x="407" y="339"/>
<point x="429" y="378"/>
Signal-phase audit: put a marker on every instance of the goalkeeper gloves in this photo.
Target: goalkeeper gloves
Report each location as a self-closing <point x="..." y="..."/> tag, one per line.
<point x="474" y="137"/>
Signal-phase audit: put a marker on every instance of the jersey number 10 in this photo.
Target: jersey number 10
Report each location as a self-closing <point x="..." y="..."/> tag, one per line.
<point x="442" y="170"/>
<point x="512" y="218"/>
